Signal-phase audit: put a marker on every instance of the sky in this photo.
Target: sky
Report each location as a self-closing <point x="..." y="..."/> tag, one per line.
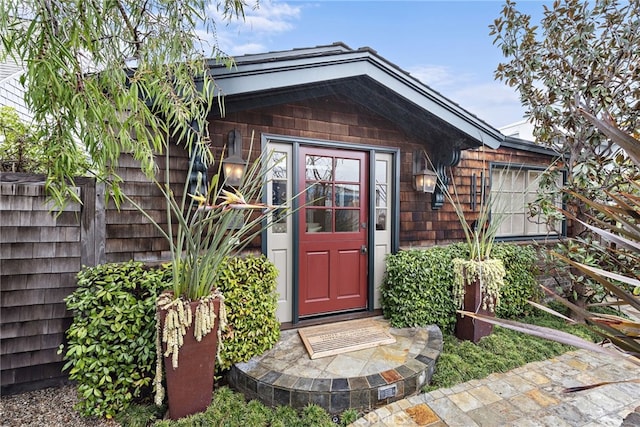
<point x="445" y="44"/>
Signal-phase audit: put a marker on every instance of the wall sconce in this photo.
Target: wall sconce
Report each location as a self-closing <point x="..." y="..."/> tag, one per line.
<point x="234" y="166"/>
<point x="424" y="179"/>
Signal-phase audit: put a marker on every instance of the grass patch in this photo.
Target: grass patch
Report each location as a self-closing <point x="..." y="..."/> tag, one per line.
<point x="503" y="350"/>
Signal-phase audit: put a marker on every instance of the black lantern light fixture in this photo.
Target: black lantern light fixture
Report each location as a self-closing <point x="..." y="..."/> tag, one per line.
<point x="425" y="180"/>
<point x="234" y="165"/>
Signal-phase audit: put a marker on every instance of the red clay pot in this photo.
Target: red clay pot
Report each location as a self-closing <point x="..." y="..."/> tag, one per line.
<point x="468" y="328"/>
<point x="190" y="386"/>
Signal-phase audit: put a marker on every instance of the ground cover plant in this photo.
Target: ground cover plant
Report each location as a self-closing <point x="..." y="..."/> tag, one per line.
<point x="503" y="350"/>
<point x="229" y="408"/>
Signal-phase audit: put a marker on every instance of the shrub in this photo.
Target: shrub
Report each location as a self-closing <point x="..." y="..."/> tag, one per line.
<point x="110" y="350"/>
<point x="418" y="285"/>
<point x="520" y="282"/>
<point x="111" y="342"/>
<point x="249" y="285"/>
<point x="418" y="288"/>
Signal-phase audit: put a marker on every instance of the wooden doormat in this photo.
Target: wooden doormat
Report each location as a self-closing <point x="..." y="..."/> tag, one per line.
<point x="342" y="337"/>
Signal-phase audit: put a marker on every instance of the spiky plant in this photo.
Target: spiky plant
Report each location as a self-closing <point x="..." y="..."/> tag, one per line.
<point x="616" y="222"/>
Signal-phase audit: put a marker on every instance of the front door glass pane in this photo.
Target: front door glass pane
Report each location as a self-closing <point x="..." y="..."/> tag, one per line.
<point x="347" y="195"/>
<point x="347" y="170"/>
<point x="319" y="168"/>
<point x="347" y="220"/>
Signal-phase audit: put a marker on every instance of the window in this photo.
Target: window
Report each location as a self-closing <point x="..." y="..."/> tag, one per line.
<point x="512" y="189"/>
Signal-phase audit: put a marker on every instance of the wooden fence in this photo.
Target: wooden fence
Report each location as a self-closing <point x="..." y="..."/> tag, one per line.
<point x="41" y="252"/>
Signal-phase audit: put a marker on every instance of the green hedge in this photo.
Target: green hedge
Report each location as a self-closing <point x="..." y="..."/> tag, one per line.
<point x="520" y="284"/>
<point x="249" y="287"/>
<point x="418" y="284"/>
<point x="111" y="343"/>
<point x="110" y="350"/>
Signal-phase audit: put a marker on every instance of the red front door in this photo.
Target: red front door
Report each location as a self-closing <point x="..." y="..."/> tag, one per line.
<point x="333" y="231"/>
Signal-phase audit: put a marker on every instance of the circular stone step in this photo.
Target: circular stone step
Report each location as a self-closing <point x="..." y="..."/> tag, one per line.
<point x="362" y="379"/>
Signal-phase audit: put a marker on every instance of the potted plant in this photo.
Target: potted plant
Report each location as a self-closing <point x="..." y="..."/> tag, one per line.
<point x="479" y="278"/>
<point x="207" y="223"/>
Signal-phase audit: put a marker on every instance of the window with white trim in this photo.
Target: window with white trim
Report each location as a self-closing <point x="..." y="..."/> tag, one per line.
<point x="512" y="189"/>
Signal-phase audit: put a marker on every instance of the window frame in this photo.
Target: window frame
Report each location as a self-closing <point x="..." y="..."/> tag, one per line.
<point x="525" y="168"/>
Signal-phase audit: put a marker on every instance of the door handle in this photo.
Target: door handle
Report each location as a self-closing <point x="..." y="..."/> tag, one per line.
<point x="363" y="249"/>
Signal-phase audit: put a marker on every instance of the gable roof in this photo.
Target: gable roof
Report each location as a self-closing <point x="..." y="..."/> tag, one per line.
<point x="362" y="75"/>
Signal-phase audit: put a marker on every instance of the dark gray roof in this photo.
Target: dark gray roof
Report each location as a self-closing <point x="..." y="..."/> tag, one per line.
<point x="359" y="74"/>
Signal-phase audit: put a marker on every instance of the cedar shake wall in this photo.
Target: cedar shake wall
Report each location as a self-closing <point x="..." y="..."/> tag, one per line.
<point x="129" y="234"/>
<point x="336" y="119"/>
<point x="40" y="256"/>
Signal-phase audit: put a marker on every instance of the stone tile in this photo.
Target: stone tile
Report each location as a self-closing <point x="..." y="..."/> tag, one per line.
<point x="339" y="384"/>
<point x="541" y="398"/>
<point x="391" y="376"/>
<point x="344" y="366"/>
<point x="570" y="413"/>
<point x="465" y="401"/>
<point x="484" y="394"/>
<point x="376" y="380"/>
<point x="303" y="371"/>
<point x="577" y="364"/>
<point x="553" y="421"/>
<point x="340" y="402"/>
<point x="503" y="389"/>
<point x="364" y="354"/>
<point x="524" y="403"/>
<point x="303" y="384"/>
<point x="358" y="383"/>
<point x="360" y="399"/>
<point x="286" y="381"/>
<point x="399" y="419"/>
<point x="391" y="355"/>
<point x="451" y="414"/>
<point x="405" y="371"/>
<point x="321" y="384"/>
<point x="519" y="383"/>
<point x="270" y="377"/>
<point x="495" y="414"/>
<point x="300" y="399"/>
<point x="535" y="377"/>
<point x="374" y="366"/>
<point x="281" y="396"/>
<point x="320" y="399"/>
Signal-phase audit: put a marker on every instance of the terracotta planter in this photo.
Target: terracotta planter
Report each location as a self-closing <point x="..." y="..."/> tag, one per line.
<point x="190" y="386"/>
<point x="468" y="328"/>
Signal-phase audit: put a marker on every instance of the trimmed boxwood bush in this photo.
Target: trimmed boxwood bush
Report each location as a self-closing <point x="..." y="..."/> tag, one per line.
<point x="110" y="349"/>
<point x="418" y="285"/>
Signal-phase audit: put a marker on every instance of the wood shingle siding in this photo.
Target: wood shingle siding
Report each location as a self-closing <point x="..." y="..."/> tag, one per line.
<point x="40" y="256"/>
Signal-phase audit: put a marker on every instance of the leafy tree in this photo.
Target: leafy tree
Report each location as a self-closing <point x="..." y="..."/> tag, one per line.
<point x="19" y="147"/>
<point x="578" y="75"/>
<point x="112" y="77"/>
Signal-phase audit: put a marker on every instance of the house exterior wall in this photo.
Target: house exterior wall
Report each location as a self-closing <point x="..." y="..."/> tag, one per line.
<point x="129" y="234"/>
<point x="426" y="227"/>
<point x="338" y="120"/>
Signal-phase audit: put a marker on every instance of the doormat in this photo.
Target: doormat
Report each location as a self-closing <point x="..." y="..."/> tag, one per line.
<point x="342" y="337"/>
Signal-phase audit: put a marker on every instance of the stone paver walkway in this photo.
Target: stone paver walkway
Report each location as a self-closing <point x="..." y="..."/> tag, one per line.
<point x="527" y="396"/>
